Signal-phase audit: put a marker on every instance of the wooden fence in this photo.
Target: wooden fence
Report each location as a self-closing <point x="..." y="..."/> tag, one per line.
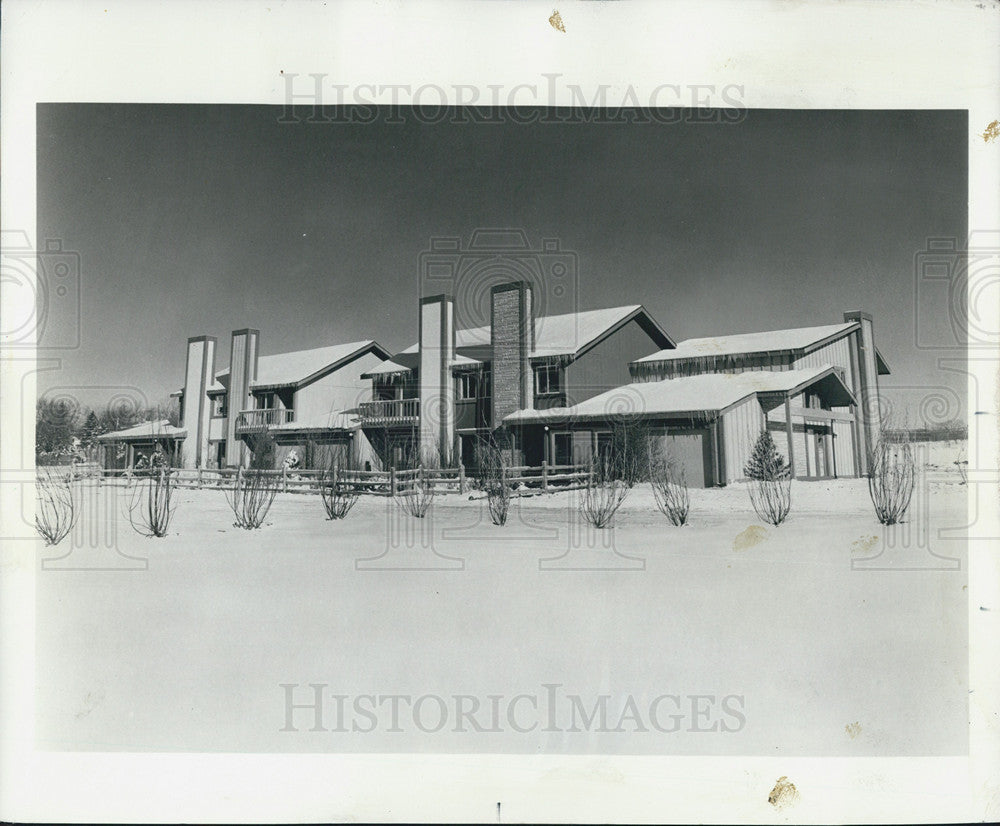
<point x="392" y="482"/>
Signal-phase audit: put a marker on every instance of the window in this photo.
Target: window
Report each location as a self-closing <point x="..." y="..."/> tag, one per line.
<point x="468" y="386"/>
<point x="219" y="406"/>
<point x="547" y="379"/>
<point x="265" y="401"/>
<point x="474" y="385"/>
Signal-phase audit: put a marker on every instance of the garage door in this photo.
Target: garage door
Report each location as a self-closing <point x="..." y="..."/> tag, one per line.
<point x="689" y="449"/>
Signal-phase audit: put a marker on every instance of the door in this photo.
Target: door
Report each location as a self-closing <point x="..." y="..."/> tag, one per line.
<point x="564" y="448"/>
<point x="689" y="450"/>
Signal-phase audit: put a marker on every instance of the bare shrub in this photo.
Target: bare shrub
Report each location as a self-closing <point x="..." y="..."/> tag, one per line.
<point x="150" y="504"/>
<point x="962" y="463"/>
<point x="605" y="492"/>
<point x="339" y="489"/>
<point x="771" y="499"/>
<point x="770" y="481"/>
<point x="891" y="476"/>
<point x="255" y="487"/>
<point x="493" y="473"/>
<point x="670" y="488"/>
<point x="415" y="493"/>
<point x="56" y="508"/>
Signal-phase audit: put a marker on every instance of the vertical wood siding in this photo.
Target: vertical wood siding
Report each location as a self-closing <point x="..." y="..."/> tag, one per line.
<point x="740" y="428"/>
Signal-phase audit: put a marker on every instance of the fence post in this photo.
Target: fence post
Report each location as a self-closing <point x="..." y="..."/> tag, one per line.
<point x="239" y="475"/>
<point x="392" y="480"/>
<point x="545" y="477"/>
<point x="284" y="478"/>
<point x="461" y="478"/>
<point x="199" y="479"/>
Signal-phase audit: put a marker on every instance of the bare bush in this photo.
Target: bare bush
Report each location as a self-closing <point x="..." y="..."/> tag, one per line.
<point x="493" y="473"/>
<point x="56" y="508"/>
<point x="962" y="463"/>
<point x="339" y="488"/>
<point x="771" y="499"/>
<point x="605" y="492"/>
<point x="415" y="494"/>
<point x="150" y="504"/>
<point x="255" y="487"/>
<point x="670" y="488"/>
<point x="891" y="477"/>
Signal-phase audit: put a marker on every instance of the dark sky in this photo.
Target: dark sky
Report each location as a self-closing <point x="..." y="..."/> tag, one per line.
<point x="201" y="219"/>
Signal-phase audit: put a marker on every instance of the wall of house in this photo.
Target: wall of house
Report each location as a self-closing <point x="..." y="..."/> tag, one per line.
<point x="343" y="389"/>
<point x="606" y="365"/>
<point x="741" y="426"/>
<point x="836" y="353"/>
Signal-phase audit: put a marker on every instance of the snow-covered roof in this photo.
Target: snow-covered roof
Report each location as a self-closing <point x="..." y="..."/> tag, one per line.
<point x="560" y="335"/>
<point x="296" y="367"/>
<point x="709" y="392"/>
<point x="161" y="429"/>
<point x="771" y="341"/>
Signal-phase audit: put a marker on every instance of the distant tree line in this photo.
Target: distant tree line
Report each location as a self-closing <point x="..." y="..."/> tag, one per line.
<point x="955" y="430"/>
<point x="65" y="430"/>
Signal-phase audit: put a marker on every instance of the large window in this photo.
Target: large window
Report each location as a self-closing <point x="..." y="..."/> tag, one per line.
<point x="265" y="401"/>
<point x="547" y="379"/>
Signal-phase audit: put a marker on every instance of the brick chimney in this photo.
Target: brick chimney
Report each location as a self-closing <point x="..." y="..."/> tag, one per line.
<point x="865" y="382"/>
<point x="242" y="370"/>
<point x="196" y="410"/>
<point x="513" y="340"/>
<point x="436" y="386"/>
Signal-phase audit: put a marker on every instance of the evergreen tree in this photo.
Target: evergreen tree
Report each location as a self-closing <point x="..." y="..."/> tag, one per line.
<point x="765" y="461"/>
<point x="91" y="430"/>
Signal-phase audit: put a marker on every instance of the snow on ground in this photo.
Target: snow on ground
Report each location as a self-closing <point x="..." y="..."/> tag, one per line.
<point x="829" y="635"/>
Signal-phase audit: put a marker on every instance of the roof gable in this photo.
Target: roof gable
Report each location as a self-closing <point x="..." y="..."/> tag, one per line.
<point x="797" y="339"/>
<point x="302" y="366"/>
<point x="567" y="334"/>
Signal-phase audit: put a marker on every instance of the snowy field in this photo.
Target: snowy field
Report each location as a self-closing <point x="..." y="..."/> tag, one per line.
<point x="828" y="635"/>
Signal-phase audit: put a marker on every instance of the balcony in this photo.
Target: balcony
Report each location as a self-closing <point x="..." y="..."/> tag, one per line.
<point x="390" y="412"/>
<point x="250" y="421"/>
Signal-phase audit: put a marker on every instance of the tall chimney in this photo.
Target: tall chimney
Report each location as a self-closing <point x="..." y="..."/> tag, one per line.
<point x="513" y="340"/>
<point x="865" y="383"/>
<point x="242" y="371"/>
<point x="437" y="389"/>
<point x="199" y="373"/>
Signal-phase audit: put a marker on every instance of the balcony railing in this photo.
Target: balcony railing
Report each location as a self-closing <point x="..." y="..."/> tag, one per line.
<point x="390" y="411"/>
<point x="249" y="420"/>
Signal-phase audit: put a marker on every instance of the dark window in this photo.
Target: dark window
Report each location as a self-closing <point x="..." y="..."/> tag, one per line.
<point x="219" y="408"/>
<point x="547" y="379"/>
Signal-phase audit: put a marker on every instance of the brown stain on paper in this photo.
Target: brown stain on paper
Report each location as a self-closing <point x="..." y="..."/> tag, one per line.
<point x="853" y="729"/>
<point x="864" y="544"/>
<point x="992" y="132"/>
<point x="753" y="535"/>
<point x="555" y="21"/>
<point x="783" y="794"/>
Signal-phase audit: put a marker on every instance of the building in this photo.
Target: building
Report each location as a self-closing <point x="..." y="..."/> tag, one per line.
<point x="708" y="399"/>
<point x="553" y="389"/>
<point x="306" y="400"/>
